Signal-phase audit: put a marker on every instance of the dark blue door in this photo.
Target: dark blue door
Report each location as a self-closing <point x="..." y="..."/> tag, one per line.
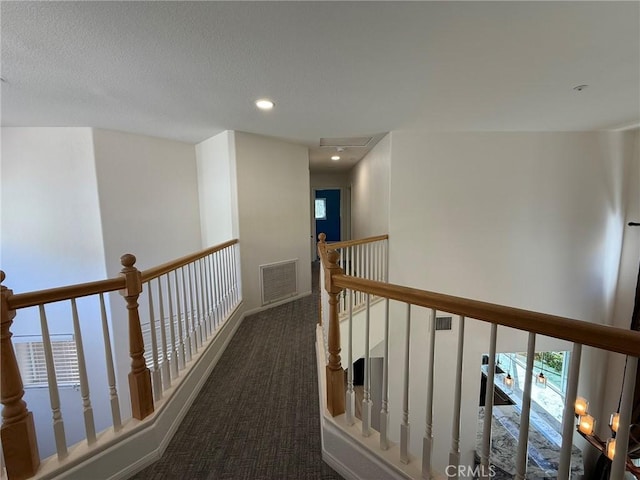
<point x="328" y="214"/>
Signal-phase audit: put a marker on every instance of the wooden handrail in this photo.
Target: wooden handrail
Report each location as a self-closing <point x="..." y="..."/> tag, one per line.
<point x="155" y="272"/>
<point x="17" y="431"/>
<point x="360" y="241"/>
<point x="40" y="297"/>
<point x="614" y="339"/>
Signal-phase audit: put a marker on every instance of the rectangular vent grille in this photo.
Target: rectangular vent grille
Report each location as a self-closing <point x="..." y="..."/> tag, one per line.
<point x="443" y="323"/>
<point x="279" y="281"/>
<point x="345" y="142"/>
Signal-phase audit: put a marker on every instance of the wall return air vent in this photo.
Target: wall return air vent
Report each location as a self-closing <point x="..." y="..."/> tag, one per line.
<point x="278" y="281"/>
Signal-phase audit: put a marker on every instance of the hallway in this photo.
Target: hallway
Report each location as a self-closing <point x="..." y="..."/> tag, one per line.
<point x="257" y="415"/>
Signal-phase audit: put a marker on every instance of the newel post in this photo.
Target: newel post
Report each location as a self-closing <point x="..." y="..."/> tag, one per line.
<point x="334" y="372"/>
<point x="139" y="376"/>
<point x="18" y="432"/>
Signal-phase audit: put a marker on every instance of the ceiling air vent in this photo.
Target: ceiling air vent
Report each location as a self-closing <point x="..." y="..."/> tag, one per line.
<point x="345" y="142"/>
<point x="278" y="281"/>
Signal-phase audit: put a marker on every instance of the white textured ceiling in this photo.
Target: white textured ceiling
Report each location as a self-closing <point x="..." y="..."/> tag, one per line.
<point x="188" y="70"/>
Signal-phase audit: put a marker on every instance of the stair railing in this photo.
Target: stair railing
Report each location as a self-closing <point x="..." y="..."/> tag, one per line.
<point x="362" y="258"/>
<point x="188" y="300"/>
<point x="579" y="333"/>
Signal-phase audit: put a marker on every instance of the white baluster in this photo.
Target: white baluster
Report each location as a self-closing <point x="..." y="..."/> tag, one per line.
<point x="188" y="331"/>
<point x="218" y="288"/>
<point x="111" y="378"/>
<point x="200" y="290"/>
<point x="164" y="365"/>
<point x="378" y="262"/>
<point x="454" y="455"/>
<point x="384" y="413"/>
<point x="172" y="329"/>
<point x="232" y="274"/>
<point x="207" y="282"/>
<point x="568" y="419"/>
<point x="87" y="409"/>
<point x="210" y="299"/>
<point x="523" y="434"/>
<point x="366" y="401"/>
<point x="225" y="284"/>
<point x="183" y="323"/>
<point x="195" y="315"/>
<point x="386" y="261"/>
<point x="404" y="426"/>
<point x="427" y="441"/>
<point x="197" y="291"/>
<point x="203" y="301"/>
<point x="228" y="274"/>
<point x="485" y="455"/>
<point x="367" y="260"/>
<point x="626" y="408"/>
<point x="350" y="400"/>
<point x="54" y="395"/>
<point x="155" y="374"/>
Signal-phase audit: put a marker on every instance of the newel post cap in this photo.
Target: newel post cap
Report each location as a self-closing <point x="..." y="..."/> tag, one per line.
<point x="132" y="276"/>
<point x="6" y="315"/>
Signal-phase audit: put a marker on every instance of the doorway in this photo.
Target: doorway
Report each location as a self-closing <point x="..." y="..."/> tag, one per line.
<point x="327" y="214"/>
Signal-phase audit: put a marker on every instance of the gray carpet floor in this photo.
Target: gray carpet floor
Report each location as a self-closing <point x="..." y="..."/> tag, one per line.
<point x="257" y="415"/>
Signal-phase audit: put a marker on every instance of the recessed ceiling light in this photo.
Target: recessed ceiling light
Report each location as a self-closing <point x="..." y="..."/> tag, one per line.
<point x="264" y="104"/>
<point x="335" y="157"/>
<point x="579" y="88"/>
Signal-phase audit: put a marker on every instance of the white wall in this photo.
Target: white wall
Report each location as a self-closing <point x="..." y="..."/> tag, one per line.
<point x="52" y="236"/>
<point x="628" y="159"/>
<point x="51" y="232"/>
<point x="148" y="192"/>
<point x="273" y="206"/>
<point x="217" y="188"/>
<point x="370" y="192"/>
<point x="520" y="219"/>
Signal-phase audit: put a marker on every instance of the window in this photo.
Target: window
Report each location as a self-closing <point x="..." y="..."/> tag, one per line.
<point x="321" y="208"/>
<point x="32" y="364"/>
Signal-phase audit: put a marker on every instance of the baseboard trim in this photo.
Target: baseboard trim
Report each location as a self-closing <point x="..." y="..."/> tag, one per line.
<point x="141" y="443"/>
<point x="276" y="304"/>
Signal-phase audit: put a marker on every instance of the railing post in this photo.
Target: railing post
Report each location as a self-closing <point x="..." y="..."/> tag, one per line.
<point x="140" y="376"/>
<point x="18" y="433"/>
<point x="334" y="372"/>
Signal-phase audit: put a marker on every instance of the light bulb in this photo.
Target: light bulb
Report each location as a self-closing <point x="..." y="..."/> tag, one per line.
<point x="264" y="104"/>
<point x="542" y="380"/>
<point x="508" y="380"/>
<point x="581" y="406"/>
<point x="586" y="424"/>
<point x="614" y="422"/>
<point x="611" y="448"/>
